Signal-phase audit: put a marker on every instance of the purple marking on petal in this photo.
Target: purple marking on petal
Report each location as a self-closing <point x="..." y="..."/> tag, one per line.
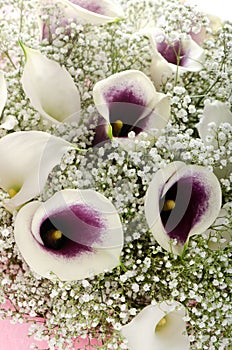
<point x="128" y="95"/>
<point x="172" y="53"/>
<point x="80" y="225"/>
<point x="89" y="5"/>
<point x="191" y="199"/>
<point x="126" y="105"/>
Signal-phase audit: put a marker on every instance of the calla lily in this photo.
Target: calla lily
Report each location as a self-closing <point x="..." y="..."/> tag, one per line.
<point x="88" y="11"/>
<point x="128" y="102"/>
<point x="173" y="58"/>
<point x="74" y="235"/>
<point x="50" y="88"/>
<point x="219" y="235"/>
<point x="27" y="158"/>
<point x="158" y="327"/>
<point x="181" y="200"/>
<point x="214" y="114"/>
<point x="3" y="91"/>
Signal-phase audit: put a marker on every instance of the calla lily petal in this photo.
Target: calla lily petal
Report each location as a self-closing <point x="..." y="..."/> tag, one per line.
<point x="219" y="236"/>
<point x="27" y="158"/>
<point x="92" y="12"/>
<point x="129" y="102"/>
<point x="181" y="200"/>
<point x="75" y="234"/>
<point x="214" y="114"/>
<point x="3" y="91"/>
<point x="158" y="326"/>
<point x="50" y="88"/>
<point x="172" y="58"/>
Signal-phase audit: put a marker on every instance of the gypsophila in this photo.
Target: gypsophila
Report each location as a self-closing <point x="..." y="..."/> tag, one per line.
<point x="95" y="309"/>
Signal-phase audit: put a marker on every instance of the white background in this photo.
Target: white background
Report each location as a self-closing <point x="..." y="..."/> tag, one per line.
<point x="220" y="8"/>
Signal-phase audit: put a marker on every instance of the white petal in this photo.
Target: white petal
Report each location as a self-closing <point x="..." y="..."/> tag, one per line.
<point x="194" y="58"/>
<point x="50" y="88"/>
<point x="141" y="332"/>
<point x="206" y="210"/>
<point x="104" y="255"/>
<point x="92" y="12"/>
<point x="27" y="158"/>
<point x="215" y="112"/>
<point x="3" y="91"/>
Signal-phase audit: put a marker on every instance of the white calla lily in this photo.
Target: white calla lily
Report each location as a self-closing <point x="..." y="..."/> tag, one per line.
<point x="159" y="326"/>
<point x="173" y="58"/>
<point x="3" y="91"/>
<point x="214" y="114"/>
<point x="128" y="101"/>
<point x="27" y="158"/>
<point x="181" y="200"/>
<point x="50" y="88"/>
<point x="74" y="235"/>
<point x="219" y="235"/>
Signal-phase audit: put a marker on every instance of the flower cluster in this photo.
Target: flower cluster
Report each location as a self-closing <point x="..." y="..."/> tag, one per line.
<point x="115" y="173"/>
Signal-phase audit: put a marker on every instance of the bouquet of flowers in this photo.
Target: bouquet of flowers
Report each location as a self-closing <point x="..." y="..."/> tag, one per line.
<point x="115" y="173"/>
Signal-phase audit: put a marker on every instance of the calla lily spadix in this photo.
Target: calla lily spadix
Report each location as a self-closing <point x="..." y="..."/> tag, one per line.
<point x="27" y="158"/>
<point x="173" y="58"/>
<point x="128" y="101"/>
<point x="159" y="326"/>
<point x="75" y="234"/>
<point x="3" y="91"/>
<point x="181" y="200"/>
<point x="50" y="88"/>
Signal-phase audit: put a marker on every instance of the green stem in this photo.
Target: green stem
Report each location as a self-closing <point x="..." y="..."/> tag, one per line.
<point x="10" y="59"/>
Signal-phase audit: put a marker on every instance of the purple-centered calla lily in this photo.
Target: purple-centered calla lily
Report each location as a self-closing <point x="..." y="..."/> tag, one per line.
<point x="181" y="200"/>
<point x="50" y="88"/>
<point x="74" y="235"/>
<point x="128" y="101"/>
<point x="159" y="326"/>
<point x="173" y="58"/>
<point x="27" y="158"/>
<point x="94" y="12"/>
